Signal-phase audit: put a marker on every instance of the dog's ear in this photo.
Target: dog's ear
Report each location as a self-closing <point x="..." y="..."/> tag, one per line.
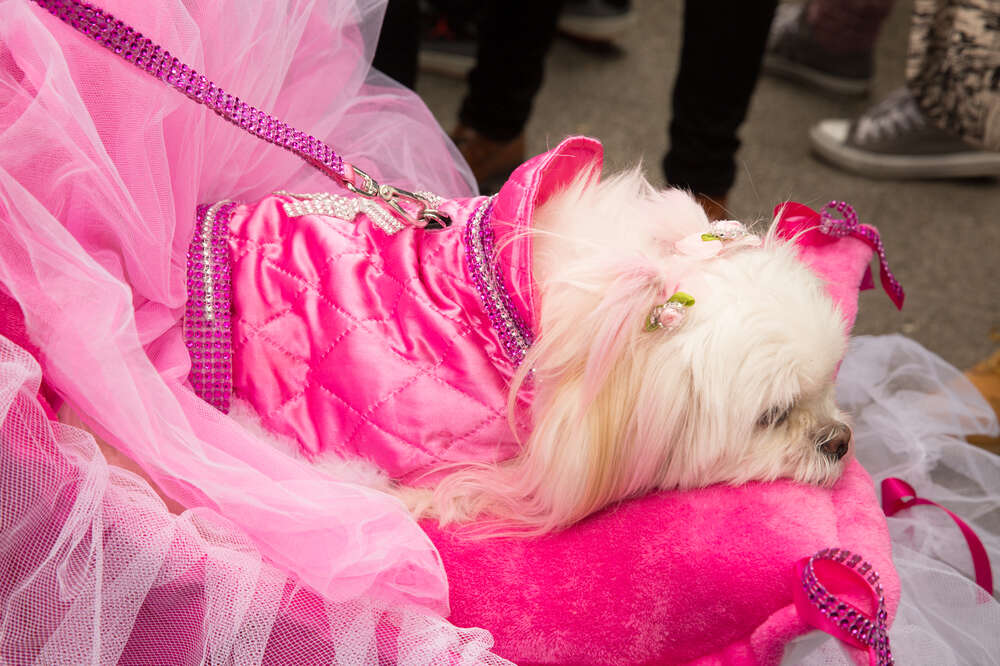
<point x="588" y="376"/>
<point x="619" y="320"/>
<point x="571" y="460"/>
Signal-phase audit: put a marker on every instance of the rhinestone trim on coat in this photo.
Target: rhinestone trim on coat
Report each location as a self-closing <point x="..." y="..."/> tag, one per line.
<point x="479" y="243"/>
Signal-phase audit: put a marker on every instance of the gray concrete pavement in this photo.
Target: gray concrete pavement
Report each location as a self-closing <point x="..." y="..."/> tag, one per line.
<point x="942" y="237"/>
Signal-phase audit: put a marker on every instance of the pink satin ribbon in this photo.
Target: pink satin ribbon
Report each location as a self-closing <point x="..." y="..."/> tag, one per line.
<point x="898" y="494"/>
<point x="840" y="569"/>
<point x="836" y="568"/>
<point x="811" y="228"/>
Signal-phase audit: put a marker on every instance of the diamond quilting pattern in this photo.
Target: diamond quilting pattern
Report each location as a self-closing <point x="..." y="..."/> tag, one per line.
<point x="358" y="343"/>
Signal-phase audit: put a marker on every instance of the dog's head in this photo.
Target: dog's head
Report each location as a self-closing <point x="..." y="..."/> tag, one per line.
<point x="749" y="373"/>
<point x="638" y="388"/>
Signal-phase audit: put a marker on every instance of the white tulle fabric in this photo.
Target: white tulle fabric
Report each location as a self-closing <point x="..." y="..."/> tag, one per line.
<point x="911" y="413"/>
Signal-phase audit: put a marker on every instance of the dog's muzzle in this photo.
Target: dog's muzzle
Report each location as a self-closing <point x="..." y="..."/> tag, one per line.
<point x="834" y="441"/>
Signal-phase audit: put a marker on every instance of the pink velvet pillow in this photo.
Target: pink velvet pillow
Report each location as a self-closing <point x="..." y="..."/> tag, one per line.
<point x="702" y="576"/>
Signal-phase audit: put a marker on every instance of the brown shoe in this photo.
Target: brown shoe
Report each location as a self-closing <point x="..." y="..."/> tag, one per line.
<point x="491" y="161"/>
<point x="715" y="207"/>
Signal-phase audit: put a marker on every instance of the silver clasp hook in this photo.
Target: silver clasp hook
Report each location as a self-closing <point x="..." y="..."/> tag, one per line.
<point x="424" y="218"/>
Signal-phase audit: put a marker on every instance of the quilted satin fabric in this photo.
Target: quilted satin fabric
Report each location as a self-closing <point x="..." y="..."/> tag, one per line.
<point x="375" y="346"/>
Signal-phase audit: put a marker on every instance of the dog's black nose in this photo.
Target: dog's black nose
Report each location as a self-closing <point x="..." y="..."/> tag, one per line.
<point x="836" y="442"/>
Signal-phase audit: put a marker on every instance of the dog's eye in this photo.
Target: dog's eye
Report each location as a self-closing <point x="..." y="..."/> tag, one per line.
<point x="774" y="417"/>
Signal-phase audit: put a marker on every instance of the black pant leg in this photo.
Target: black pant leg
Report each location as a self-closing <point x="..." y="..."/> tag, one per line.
<point x="514" y="38"/>
<point x="723" y="45"/>
<point x="399" y="41"/>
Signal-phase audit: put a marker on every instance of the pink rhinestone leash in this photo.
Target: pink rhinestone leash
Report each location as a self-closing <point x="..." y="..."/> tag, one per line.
<point x="142" y="52"/>
<point x="207" y="317"/>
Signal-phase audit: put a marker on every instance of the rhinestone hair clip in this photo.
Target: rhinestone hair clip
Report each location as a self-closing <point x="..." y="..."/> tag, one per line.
<point x="726" y="230"/>
<point x="668" y="316"/>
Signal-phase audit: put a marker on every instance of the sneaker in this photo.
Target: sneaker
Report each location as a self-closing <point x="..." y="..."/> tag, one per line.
<point x="447" y="45"/>
<point x="491" y="161"/>
<point x="793" y="54"/>
<point x="894" y="139"/>
<point x="596" y="20"/>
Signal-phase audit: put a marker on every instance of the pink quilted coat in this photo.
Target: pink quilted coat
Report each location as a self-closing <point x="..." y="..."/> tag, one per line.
<point x="397" y="348"/>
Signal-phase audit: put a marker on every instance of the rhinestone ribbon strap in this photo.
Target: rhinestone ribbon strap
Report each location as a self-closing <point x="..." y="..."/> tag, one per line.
<point x="847" y="224"/>
<point x="841" y="569"/>
<point x="131" y="45"/>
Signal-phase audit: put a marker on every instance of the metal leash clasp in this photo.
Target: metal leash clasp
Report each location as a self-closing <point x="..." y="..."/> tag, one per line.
<point x="425" y="217"/>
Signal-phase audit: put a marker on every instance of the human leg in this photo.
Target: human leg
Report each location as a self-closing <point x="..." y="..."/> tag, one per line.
<point x="514" y="38"/>
<point x="396" y="51"/>
<point x="826" y="44"/>
<point x="946" y="122"/>
<point x="723" y="43"/>
<point x="953" y="67"/>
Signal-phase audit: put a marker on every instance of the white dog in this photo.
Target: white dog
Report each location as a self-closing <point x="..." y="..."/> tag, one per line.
<point x="638" y="388"/>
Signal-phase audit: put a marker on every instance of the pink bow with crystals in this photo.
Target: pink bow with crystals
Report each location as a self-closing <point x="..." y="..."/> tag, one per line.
<point x="809" y="228"/>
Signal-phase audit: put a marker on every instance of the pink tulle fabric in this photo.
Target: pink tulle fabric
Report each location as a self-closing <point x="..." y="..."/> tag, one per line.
<point x="95" y="570"/>
<point x="101" y="168"/>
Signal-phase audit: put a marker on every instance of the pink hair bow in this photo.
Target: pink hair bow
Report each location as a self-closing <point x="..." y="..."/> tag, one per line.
<point x="837" y="220"/>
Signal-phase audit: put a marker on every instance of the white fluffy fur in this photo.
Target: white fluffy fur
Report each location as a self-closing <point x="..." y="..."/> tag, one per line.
<point x="620" y="411"/>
